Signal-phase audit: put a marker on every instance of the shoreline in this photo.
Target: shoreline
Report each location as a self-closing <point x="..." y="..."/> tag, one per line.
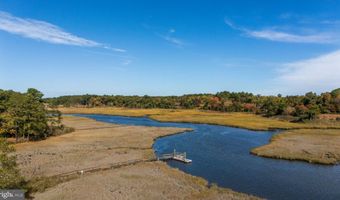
<point x="88" y="147"/>
<point x="259" y="151"/>
<point x="232" y="119"/>
<point x="182" y="122"/>
<point x="315" y="146"/>
<point x="207" y="123"/>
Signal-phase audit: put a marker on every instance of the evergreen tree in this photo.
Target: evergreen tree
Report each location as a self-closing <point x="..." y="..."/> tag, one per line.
<point x="10" y="177"/>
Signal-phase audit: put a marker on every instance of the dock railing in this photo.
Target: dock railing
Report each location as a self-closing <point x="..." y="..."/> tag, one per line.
<point x="175" y="156"/>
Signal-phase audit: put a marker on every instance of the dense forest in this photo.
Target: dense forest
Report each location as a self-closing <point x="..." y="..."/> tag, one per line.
<point x="25" y="116"/>
<point x="301" y="107"/>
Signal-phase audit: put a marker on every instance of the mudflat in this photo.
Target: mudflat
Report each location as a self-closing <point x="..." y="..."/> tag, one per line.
<point x="310" y="145"/>
<point x="99" y="146"/>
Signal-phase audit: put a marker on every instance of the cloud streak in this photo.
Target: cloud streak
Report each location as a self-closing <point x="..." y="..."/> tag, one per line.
<point x="320" y="73"/>
<point x="171" y="39"/>
<point x="47" y="32"/>
<point x="126" y="62"/>
<point x="289" y="37"/>
<point x="280" y="36"/>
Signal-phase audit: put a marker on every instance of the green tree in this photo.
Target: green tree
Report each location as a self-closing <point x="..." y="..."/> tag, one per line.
<point x="12" y="119"/>
<point x="10" y="177"/>
<point x="34" y="114"/>
<point x="336" y="92"/>
<point x="225" y="101"/>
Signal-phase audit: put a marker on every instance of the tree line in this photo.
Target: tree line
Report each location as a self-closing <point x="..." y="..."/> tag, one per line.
<point x="25" y="116"/>
<point x="299" y="107"/>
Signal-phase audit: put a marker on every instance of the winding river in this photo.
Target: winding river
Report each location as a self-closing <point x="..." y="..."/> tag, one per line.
<point x="221" y="155"/>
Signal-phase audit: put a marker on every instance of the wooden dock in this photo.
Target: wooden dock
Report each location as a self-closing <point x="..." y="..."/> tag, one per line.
<point x="182" y="157"/>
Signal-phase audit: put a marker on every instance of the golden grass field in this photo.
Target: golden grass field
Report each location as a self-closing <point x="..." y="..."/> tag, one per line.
<point x="99" y="146"/>
<point x="314" y="141"/>
<point x="241" y="120"/>
<point x="152" y="180"/>
<point x="311" y="145"/>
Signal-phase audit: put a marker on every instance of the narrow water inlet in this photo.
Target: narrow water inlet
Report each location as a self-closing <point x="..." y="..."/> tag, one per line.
<point x="221" y="155"/>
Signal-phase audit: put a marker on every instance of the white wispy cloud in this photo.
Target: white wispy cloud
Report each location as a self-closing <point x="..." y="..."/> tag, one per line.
<point x="286" y="15"/>
<point x="118" y="50"/>
<point x="273" y="34"/>
<point x="331" y="22"/>
<point x="307" y="19"/>
<point x="321" y="73"/>
<point x="126" y="62"/>
<point x="173" y="40"/>
<point x="44" y="31"/>
<point x="168" y="36"/>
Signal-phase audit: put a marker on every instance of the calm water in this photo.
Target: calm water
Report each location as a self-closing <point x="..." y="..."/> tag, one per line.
<point x="220" y="154"/>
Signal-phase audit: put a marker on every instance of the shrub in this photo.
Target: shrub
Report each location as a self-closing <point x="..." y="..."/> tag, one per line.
<point x="10" y="177"/>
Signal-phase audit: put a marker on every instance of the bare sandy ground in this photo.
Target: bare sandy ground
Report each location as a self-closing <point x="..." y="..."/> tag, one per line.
<point x="311" y="145"/>
<point x="98" y="145"/>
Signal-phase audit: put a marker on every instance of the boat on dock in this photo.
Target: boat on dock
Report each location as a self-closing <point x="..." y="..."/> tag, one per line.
<point x="182" y="157"/>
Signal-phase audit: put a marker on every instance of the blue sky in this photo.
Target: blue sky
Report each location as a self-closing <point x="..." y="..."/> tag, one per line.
<point x="169" y="47"/>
